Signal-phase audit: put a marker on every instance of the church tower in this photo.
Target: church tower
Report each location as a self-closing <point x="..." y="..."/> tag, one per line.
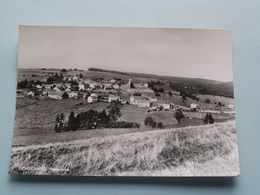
<point x="130" y="81"/>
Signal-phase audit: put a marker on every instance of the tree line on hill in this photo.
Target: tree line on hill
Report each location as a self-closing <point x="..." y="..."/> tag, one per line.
<point x="27" y="84"/>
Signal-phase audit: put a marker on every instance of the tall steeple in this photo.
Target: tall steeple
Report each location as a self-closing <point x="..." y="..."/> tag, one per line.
<point x="130" y="81"/>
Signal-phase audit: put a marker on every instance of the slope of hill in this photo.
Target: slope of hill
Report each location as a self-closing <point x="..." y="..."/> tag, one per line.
<point x="176" y="152"/>
<point x="223" y="89"/>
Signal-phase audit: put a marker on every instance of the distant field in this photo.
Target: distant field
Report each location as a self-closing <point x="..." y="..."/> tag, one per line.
<point x="208" y="150"/>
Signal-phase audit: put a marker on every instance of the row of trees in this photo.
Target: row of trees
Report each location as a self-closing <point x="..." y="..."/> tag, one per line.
<point x="27" y="84"/>
<point x="93" y="119"/>
<point x="186" y="94"/>
<point x="55" y="77"/>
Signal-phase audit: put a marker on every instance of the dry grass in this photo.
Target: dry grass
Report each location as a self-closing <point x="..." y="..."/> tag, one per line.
<point x="201" y="150"/>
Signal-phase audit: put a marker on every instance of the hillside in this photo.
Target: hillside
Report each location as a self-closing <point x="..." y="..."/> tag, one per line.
<point x="222" y="89"/>
<point x="202" y="151"/>
<point x="196" y="82"/>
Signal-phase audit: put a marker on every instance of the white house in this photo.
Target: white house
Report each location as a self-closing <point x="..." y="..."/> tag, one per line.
<point x="75" y="78"/>
<point x="67" y="90"/>
<point x="87" y="81"/>
<point x="47" y="86"/>
<point x="145" y="85"/>
<point x="92" y="98"/>
<point x="194" y="106"/>
<point x="56" y="89"/>
<point x="153" y="99"/>
<point x="135" y="99"/>
<point x="30" y="94"/>
<point x="165" y="106"/>
<point x="67" y="85"/>
<point x="116" y="86"/>
<point x="143" y="103"/>
<point x="112" y="81"/>
<point x="38" y="86"/>
<point x="113" y="98"/>
<point x="81" y="86"/>
<point x="55" y="95"/>
<point x="73" y="94"/>
<point x="231" y="106"/>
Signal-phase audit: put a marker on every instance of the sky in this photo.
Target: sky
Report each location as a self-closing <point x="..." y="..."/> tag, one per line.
<point x="193" y="53"/>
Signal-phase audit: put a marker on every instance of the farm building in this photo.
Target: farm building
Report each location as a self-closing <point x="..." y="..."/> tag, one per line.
<point x="153" y="99"/>
<point x="194" y="107"/>
<point x="135" y="99"/>
<point x="145" y="85"/>
<point x="38" y="86"/>
<point x="144" y="103"/>
<point x="56" y="89"/>
<point x="87" y="81"/>
<point x="30" y="94"/>
<point x="116" y="86"/>
<point x="81" y="86"/>
<point x="68" y="85"/>
<point x="112" y="81"/>
<point x="56" y="95"/>
<point x="162" y="104"/>
<point x="113" y="98"/>
<point x="67" y="90"/>
<point x="92" y="98"/>
<point x="47" y="86"/>
<point x="73" y="94"/>
<point x="75" y="78"/>
<point x="231" y="106"/>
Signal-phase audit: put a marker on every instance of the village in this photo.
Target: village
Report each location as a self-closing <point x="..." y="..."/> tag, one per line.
<point x="63" y="86"/>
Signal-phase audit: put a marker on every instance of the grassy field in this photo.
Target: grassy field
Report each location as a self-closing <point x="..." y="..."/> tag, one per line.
<point x="35" y="120"/>
<point x="188" y="151"/>
<point x="33" y="116"/>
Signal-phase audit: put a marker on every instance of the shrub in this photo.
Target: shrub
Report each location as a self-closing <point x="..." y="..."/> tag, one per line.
<point x="207" y="101"/>
<point x="123" y="124"/>
<point x="160" y="125"/>
<point x="151" y="123"/>
<point x="148" y="121"/>
<point x="154" y="124"/>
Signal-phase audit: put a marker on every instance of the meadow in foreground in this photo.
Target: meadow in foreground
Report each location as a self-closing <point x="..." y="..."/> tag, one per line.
<point x="208" y="150"/>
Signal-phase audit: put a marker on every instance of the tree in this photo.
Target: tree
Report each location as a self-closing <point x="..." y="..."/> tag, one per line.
<point x="207" y="101"/>
<point x="18" y="85"/>
<point x="114" y="110"/>
<point x="57" y="118"/>
<point x="103" y="119"/>
<point x="184" y="97"/>
<point x="132" y="85"/>
<point x="65" y="95"/>
<point x="56" y="77"/>
<point x="50" y="80"/>
<point x="160" y="125"/>
<point x="71" y="121"/>
<point x="148" y="121"/>
<point x="56" y="128"/>
<point x="61" y="76"/>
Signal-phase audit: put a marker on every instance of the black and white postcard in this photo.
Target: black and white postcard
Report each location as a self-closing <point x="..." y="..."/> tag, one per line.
<point x="116" y="101"/>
